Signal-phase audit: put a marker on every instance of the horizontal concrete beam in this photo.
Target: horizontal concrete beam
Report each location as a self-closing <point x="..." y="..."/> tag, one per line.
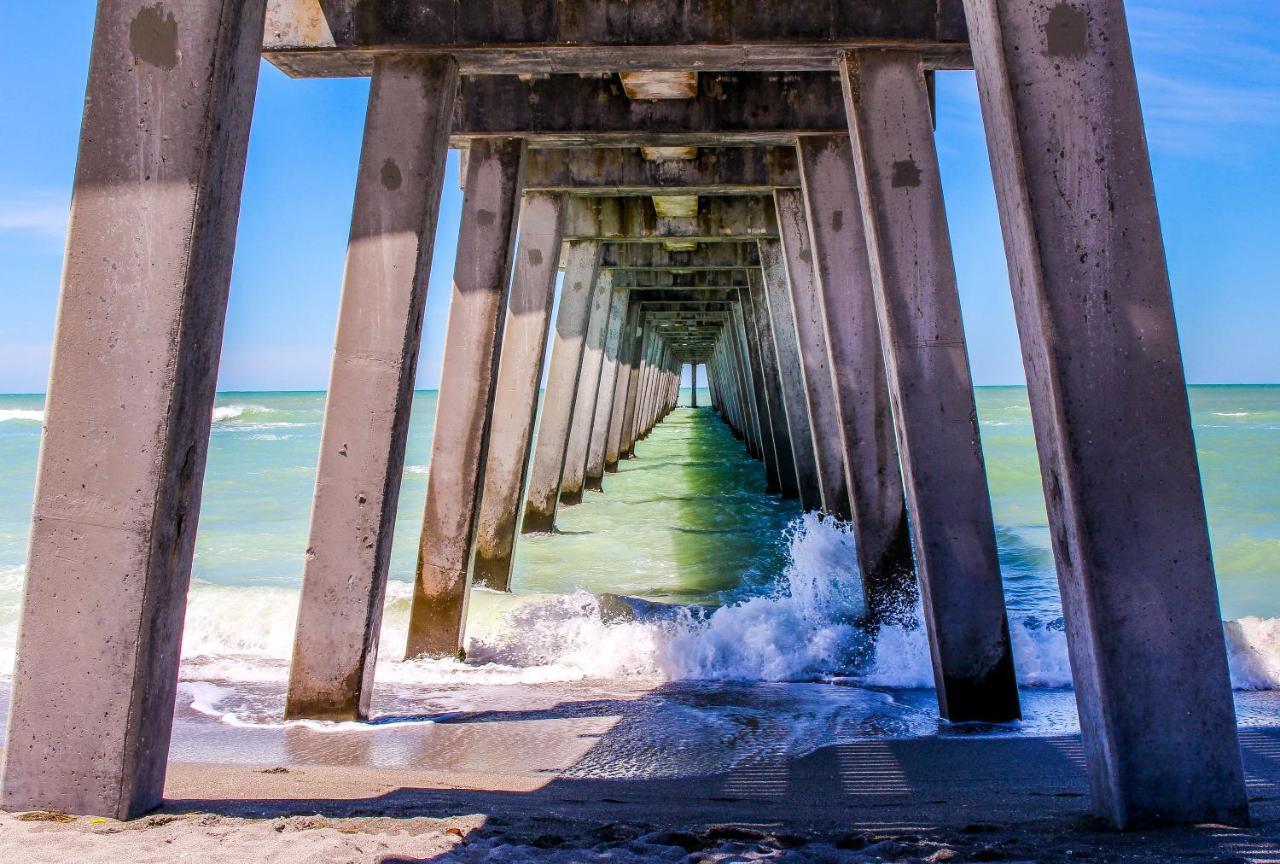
<point x="702" y="279"/>
<point x="651" y="257"/>
<point x="340" y="38"/>
<point x="634" y="220"/>
<point x="670" y="296"/>
<point x="625" y="171"/>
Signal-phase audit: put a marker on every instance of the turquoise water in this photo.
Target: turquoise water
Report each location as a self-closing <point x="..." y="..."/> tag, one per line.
<point x="687" y="523"/>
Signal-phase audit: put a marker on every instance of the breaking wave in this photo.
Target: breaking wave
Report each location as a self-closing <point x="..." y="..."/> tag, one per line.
<point x="24" y="415"/>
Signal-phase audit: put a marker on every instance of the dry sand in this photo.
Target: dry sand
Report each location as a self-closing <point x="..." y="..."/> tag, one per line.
<point x="933" y="799"/>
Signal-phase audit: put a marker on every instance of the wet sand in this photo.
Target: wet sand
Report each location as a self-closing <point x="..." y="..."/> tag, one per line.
<point x="927" y="799"/>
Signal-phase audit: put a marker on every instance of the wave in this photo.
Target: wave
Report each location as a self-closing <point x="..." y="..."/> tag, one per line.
<point x="23" y="415"/>
<point x="226" y="413"/>
<point x="1232" y="413"/>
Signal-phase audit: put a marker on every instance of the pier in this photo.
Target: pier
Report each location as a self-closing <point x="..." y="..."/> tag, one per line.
<point x="747" y="187"/>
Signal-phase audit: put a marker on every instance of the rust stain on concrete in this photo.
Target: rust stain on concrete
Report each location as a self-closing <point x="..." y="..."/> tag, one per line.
<point x="153" y="37"/>
<point x="1066" y="33"/>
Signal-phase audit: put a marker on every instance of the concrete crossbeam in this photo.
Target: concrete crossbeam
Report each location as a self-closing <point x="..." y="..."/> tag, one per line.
<point x="625" y="171"/>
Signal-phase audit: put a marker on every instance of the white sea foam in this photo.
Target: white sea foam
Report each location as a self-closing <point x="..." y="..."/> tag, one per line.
<point x="22" y="415"/>
<point x="1231" y="413"/>
<point x="227" y="413"/>
<point x="415" y="469"/>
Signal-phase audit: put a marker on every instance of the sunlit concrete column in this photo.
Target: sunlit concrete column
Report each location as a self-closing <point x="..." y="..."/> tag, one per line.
<point x="464" y="408"/>
<point x="366" y="423"/>
<point x="1109" y="403"/>
<point x="594" y="479"/>
<point x="786" y="467"/>
<point x="795" y="402"/>
<point x="928" y="372"/>
<point x="584" y="405"/>
<point x="582" y="263"/>
<point x="135" y="361"/>
<point x="815" y="362"/>
<point x="524" y="344"/>
<point x="874" y="477"/>
<point x="626" y="362"/>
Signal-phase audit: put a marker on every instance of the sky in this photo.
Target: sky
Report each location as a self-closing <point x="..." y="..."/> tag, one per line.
<point x="1210" y="83"/>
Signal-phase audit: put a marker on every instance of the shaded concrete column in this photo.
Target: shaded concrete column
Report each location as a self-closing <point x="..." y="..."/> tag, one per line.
<point x="752" y="340"/>
<point x="524" y="346"/>
<point x="622" y="382"/>
<point x="582" y="262"/>
<point x="584" y="405"/>
<point x="737" y="343"/>
<point x="693" y="385"/>
<point x="815" y="361"/>
<point x="928" y="372"/>
<point x="873" y="474"/>
<point x="642" y="389"/>
<point x="366" y="424"/>
<point x="1109" y="403"/>
<point x="604" y="399"/>
<point x="464" y="408"/>
<point x="627" y="441"/>
<point x="135" y="361"/>
<point x="795" y="401"/>
<point x="788" y="485"/>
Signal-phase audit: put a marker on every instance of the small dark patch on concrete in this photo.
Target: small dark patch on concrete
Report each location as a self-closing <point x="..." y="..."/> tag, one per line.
<point x="486" y="217"/>
<point x="806" y="256"/>
<point x="153" y="37"/>
<point x="837" y="220"/>
<point x="391" y="176"/>
<point x="906" y="174"/>
<point x="535" y="257"/>
<point x="1066" y="33"/>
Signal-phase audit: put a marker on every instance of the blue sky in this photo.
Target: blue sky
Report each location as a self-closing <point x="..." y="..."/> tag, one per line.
<point x="1210" y="80"/>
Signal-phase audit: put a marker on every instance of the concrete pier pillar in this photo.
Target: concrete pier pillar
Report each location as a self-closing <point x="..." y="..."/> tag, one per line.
<point x="693" y="385"/>
<point x="594" y="478"/>
<point x="464" y="408"/>
<point x="788" y="485"/>
<point x="746" y="376"/>
<point x="1109" y="404"/>
<point x="790" y="374"/>
<point x="627" y="441"/>
<point x="759" y="391"/>
<point x="918" y="308"/>
<point x="815" y="362"/>
<point x="524" y="343"/>
<point x="582" y="263"/>
<point x="367" y="409"/>
<point x="127" y="417"/>
<point x="622" y="383"/>
<point x="573" y="482"/>
<point x="843" y="271"/>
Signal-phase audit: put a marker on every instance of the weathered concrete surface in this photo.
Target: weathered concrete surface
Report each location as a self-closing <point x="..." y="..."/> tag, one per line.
<point x="815" y="362"/>
<point x="1109" y="402"/>
<point x="769" y="452"/>
<point x="627" y="442"/>
<point x="464" y="408"/>
<point x="628" y="346"/>
<point x="524" y="345"/>
<point x="777" y="294"/>
<point x="135" y="361"/>
<point x="873" y="474"/>
<point x="643" y="257"/>
<point x="738" y="343"/>
<point x="581" y="268"/>
<point x="370" y="395"/>
<point x="693" y="385"/>
<point x="326" y="37"/>
<point x="918" y="308"/>
<point x="625" y="171"/>
<point x="634" y="220"/>
<point x="788" y="484"/>
<point x="594" y="477"/>
<point x="584" y="405"/>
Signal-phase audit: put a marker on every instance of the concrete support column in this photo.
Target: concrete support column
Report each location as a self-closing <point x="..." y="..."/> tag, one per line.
<point x="815" y="362"/>
<point x="594" y="479"/>
<point x="464" y="409"/>
<point x="795" y="401"/>
<point x="786" y="467"/>
<point x="135" y="362"/>
<point x="627" y="442"/>
<point x="758" y="394"/>
<point x="366" y="424"/>
<point x="584" y="405"/>
<point x="524" y="345"/>
<point x="622" y="384"/>
<point x="582" y="263"/>
<point x="873" y="474"/>
<point x="746" y="375"/>
<point x="1109" y="404"/>
<point x="928" y="372"/>
<point x="693" y="385"/>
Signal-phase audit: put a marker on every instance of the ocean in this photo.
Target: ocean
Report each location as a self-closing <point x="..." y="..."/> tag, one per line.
<point x="748" y="646"/>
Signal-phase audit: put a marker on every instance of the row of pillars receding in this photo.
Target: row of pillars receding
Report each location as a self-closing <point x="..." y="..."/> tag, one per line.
<point x="834" y="348"/>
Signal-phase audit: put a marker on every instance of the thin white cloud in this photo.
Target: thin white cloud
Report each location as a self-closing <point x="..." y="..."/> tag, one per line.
<point x="39" y="212"/>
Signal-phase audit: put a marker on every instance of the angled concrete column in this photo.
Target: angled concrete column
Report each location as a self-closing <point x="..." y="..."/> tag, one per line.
<point x="582" y="263"/>
<point x="636" y="421"/>
<point x="375" y="356"/>
<point x="815" y="362"/>
<point x="737" y="337"/>
<point x="594" y="479"/>
<point x="524" y="344"/>
<point x="627" y="441"/>
<point x="1109" y="403"/>
<point x="135" y="361"/>
<point x="622" y="381"/>
<point x="752" y="339"/>
<point x="874" y="477"/>
<point x="786" y="477"/>
<point x="928" y="371"/>
<point x="584" y="405"/>
<point x="464" y="408"/>
<point x="795" y="402"/>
